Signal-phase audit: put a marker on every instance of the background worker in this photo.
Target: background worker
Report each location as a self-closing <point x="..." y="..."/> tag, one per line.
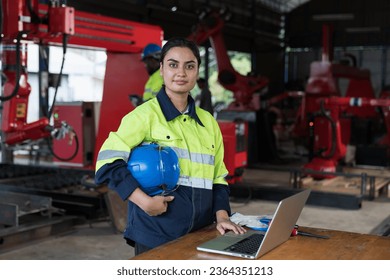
<point x="171" y="119"/>
<point x="205" y="96"/>
<point x="151" y="58"/>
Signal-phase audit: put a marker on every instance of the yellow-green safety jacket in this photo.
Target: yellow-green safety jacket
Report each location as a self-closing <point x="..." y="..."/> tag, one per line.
<point x="152" y="86"/>
<point x="197" y="140"/>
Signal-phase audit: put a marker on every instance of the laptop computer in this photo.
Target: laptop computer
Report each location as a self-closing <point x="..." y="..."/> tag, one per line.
<point x="279" y="231"/>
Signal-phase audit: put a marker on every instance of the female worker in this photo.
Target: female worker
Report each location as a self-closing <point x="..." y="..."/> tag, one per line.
<point x="171" y="120"/>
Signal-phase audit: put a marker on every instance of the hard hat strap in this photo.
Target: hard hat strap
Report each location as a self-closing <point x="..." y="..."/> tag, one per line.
<point x="167" y="191"/>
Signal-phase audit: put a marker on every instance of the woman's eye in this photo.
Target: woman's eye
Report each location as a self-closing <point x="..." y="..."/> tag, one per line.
<point x="190" y="66"/>
<point x="173" y="65"/>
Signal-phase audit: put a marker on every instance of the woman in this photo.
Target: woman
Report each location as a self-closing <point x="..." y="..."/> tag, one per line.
<point x="171" y="119"/>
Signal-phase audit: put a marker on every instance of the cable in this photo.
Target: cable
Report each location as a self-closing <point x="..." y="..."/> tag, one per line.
<point x="64" y="47"/>
<point x="61" y="158"/>
<point x="34" y="17"/>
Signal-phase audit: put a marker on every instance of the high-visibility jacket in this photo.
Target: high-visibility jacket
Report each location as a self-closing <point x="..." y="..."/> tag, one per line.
<point x="198" y="142"/>
<point x="152" y="86"/>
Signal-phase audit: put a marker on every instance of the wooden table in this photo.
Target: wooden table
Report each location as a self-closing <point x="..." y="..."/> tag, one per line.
<point x="340" y="246"/>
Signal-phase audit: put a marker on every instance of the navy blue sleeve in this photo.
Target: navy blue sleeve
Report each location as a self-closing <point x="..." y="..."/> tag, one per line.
<point x="118" y="178"/>
<point x="221" y="198"/>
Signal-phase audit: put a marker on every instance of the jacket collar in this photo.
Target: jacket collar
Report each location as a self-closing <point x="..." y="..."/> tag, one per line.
<point x="169" y="110"/>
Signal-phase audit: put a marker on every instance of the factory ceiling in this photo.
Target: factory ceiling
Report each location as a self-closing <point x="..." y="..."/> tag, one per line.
<point x="260" y="25"/>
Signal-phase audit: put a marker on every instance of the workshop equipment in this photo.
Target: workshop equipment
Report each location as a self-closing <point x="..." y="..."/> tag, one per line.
<point x="64" y="186"/>
<point x="56" y="24"/>
<point x="82" y="117"/>
<point x="246" y="93"/>
<point x="14" y="206"/>
<point x="332" y="119"/>
<point x="245" y="89"/>
<point x="27" y="217"/>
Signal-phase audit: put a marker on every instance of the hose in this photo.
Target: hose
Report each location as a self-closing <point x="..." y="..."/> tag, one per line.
<point x="64" y="47"/>
<point x="61" y="158"/>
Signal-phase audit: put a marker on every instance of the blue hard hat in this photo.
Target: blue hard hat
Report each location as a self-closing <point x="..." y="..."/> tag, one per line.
<point x="155" y="167"/>
<point x="151" y="50"/>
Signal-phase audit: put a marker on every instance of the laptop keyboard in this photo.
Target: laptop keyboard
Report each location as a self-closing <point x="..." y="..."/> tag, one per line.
<point x="249" y="245"/>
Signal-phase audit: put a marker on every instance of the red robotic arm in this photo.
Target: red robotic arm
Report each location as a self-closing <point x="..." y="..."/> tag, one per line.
<point x="243" y="87"/>
<point x="331" y="132"/>
<point x="327" y="113"/>
<point x="28" y="21"/>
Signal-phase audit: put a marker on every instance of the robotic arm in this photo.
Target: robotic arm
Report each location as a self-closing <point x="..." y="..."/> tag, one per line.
<point x="243" y="87"/>
<point x="26" y="21"/>
<point x="21" y="23"/>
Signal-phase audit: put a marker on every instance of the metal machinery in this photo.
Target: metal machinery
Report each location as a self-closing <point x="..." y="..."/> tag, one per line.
<point x="67" y="151"/>
<point x="245" y="89"/>
<point x="244" y="109"/>
<point x="331" y="119"/>
<point x="328" y="118"/>
<point x="28" y="21"/>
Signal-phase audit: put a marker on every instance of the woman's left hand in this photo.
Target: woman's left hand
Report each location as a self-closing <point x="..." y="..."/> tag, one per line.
<point x="224" y="224"/>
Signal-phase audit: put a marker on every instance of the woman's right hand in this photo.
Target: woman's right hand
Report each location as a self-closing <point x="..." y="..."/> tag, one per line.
<point x="157" y="205"/>
<point x="153" y="206"/>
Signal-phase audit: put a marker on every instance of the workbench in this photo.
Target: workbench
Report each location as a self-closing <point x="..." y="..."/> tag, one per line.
<point x="340" y="246"/>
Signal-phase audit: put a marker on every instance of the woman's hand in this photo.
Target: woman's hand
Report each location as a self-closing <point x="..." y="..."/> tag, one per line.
<point x="157" y="205"/>
<point x="224" y="224"/>
<point x="153" y="206"/>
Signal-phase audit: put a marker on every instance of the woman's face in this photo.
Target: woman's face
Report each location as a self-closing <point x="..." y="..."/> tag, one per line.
<point x="179" y="70"/>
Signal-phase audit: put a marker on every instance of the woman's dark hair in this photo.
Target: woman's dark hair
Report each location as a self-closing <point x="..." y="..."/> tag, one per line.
<point x="180" y="42"/>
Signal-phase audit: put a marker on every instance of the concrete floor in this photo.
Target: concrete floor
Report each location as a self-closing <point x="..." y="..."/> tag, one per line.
<point x="99" y="241"/>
